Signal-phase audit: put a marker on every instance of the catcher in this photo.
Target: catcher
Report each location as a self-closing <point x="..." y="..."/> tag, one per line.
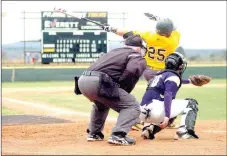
<point x="159" y="106"/>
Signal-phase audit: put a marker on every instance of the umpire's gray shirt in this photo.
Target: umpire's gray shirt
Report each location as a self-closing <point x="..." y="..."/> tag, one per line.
<point x="123" y="65"/>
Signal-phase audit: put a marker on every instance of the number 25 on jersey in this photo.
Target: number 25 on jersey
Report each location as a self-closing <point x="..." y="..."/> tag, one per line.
<point x="156" y="53"/>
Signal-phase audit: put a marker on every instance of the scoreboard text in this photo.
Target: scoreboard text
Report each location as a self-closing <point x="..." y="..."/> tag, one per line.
<point x="67" y="39"/>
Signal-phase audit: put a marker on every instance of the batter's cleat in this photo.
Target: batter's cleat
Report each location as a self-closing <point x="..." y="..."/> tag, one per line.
<point x="95" y="137"/>
<point x="137" y="127"/>
<point x="172" y="126"/>
<point x="185" y="135"/>
<point x="120" y="140"/>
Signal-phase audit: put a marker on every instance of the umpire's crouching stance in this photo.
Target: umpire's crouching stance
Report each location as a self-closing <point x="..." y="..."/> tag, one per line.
<point x="108" y="83"/>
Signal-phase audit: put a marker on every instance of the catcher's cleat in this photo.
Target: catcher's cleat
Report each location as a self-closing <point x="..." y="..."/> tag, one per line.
<point x="185" y="135"/>
<point x="121" y="140"/>
<point x="95" y="137"/>
<point x="147" y="132"/>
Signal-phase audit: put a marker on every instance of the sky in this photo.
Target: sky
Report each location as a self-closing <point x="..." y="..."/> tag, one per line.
<point x="202" y="24"/>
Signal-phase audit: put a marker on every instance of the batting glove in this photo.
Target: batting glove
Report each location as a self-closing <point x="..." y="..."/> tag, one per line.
<point x="109" y="28"/>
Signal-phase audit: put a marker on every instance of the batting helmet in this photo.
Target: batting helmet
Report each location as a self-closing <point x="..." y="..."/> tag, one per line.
<point x="176" y="62"/>
<point x="164" y="27"/>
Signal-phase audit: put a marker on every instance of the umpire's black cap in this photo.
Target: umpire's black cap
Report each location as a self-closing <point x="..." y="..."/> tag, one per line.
<point x="135" y="41"/>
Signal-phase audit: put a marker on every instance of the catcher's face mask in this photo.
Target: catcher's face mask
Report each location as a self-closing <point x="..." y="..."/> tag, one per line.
<point x="176" y="62"/>
<point x="183" y="67"/>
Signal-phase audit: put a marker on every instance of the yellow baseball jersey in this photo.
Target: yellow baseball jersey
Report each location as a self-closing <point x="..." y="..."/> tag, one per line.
<point x="159" y="47"/>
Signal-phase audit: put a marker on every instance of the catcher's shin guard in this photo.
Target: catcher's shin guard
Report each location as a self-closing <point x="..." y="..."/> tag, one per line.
<point x="188" y="117"/>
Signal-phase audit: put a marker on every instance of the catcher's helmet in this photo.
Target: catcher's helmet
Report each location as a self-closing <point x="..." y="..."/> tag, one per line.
<point x="176" y="62"/>
<point x="164" y="27"/>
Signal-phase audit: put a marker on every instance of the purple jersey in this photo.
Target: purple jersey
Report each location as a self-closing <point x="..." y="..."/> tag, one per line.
<point x="164" y="87"/>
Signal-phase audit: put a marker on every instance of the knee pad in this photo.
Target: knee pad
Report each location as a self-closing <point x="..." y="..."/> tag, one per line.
<point x="193" y="104"/>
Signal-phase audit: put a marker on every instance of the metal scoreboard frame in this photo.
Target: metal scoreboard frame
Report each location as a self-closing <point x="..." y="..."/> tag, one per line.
<point x="68" y="39"/>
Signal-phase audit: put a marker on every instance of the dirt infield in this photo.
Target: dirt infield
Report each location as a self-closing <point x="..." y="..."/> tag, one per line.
<point x="33" y="137"/>
<point x="70" y="138"/>
<point x="30" y="119"/>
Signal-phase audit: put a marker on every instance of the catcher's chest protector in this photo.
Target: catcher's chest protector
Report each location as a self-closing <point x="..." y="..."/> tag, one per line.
<point x="172" y="71"/>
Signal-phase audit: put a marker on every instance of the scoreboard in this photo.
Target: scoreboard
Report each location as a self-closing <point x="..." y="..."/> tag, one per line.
<point x="73" y="46"/>
<point x="67" y="39"/>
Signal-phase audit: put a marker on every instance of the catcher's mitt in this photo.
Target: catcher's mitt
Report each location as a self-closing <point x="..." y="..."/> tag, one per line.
<point x="199" y="80"/>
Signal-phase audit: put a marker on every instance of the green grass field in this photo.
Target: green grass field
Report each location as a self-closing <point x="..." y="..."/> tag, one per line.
<point x="7" y="111"/>
<point x="212" y="101"/>
<point x="70" y="83"/>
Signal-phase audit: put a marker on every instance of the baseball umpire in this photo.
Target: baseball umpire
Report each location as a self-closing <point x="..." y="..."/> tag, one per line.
<point x="108" y="83"/>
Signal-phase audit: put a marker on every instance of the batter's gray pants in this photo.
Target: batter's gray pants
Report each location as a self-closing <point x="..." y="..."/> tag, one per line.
<point x="128" y="107"/>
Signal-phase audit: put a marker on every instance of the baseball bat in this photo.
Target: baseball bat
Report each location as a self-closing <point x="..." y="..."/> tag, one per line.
<point x="152" y="16"/>
<point x="63" y="11"/>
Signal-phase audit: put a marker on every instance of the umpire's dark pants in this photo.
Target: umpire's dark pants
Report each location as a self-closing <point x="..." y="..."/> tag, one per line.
<point x="128" y="107"/>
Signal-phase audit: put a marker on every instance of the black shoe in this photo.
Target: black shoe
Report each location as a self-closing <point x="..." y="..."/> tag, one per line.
<point x="95" y="137"/>
<point x="121" y="140"/>
<point x="185" y="135"/>
<point x="147" y="132"/>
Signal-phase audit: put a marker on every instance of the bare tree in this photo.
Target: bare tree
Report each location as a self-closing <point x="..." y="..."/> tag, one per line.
<point x="224" y="54"/>
<point x="195" y="58"/>
<point x="212" y="57"/>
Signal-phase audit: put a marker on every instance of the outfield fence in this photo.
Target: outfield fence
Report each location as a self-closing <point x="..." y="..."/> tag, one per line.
<point x="68" y="74"/>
